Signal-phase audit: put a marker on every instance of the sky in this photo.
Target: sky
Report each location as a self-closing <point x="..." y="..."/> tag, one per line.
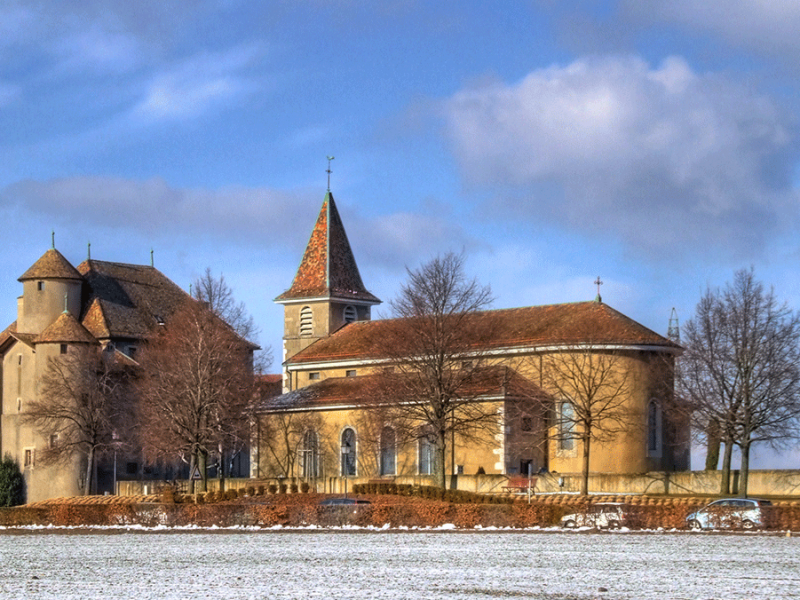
<point x="652" y="144"/>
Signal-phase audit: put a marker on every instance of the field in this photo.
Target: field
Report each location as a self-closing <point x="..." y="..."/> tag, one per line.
<point x="290" y="564"/>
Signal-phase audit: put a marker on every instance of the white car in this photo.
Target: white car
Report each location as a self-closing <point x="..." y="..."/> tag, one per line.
<point x="603" y="515"/>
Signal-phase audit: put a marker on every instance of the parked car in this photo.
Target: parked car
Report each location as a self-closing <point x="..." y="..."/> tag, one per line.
<point x="730" y="513"/>
<point x="603" y="515"/>
<point x="342" y="501"/>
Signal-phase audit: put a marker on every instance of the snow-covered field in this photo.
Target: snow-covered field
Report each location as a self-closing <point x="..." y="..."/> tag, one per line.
<point x="235" y="565"/>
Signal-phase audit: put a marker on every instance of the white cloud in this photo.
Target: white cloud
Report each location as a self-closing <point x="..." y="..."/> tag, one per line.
<point x="663" y="157"/>
<point x="154" y="208"/>
<point x="764" y="25"/>
<point x="199" y="83"/>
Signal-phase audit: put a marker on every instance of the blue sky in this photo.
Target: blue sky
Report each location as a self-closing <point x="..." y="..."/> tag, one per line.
<point x="652" y="143"/>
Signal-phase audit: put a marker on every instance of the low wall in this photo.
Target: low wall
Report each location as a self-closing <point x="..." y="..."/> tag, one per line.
<point x="773" y="483"/>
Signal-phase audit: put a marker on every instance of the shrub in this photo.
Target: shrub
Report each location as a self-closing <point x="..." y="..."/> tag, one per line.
<point x="12" y="483"/>
<point x="282" y="488"/>
<point x="200" y="498"/>
<point x="231" y="495"/>
<point x="251" y="491"/>
<point x="272" y="488"/>
<point x="260" y="490"/>
<point x="293" y="488"/>
<point x="304" y="487"/>
<point x="168" y="495"/>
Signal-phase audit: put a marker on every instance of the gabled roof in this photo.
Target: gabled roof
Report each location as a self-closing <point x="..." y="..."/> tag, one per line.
<point x="328" y="268"/>
<point x="51" y="265"/>
<point x="492" y="383"/>
<point x="66" y="329"/>
<point x="513" y="328"/>
<point x="126" y="301"/>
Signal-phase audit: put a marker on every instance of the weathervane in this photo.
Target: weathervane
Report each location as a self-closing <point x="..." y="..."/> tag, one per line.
<point x="598" y="282"/>
<point x="330" y="158"/>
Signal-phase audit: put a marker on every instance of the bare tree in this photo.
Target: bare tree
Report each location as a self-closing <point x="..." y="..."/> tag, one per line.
<point x="436" y="346"/>
<point x="195" y="389"/>
<point x="591" y="389"/>
<point x="742" y="368"/>
<point x="83" y="407"/>
<point x="218" y="296"/>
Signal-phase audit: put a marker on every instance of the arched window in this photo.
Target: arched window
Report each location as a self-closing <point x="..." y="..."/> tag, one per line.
<point x="309" y="454"/>
<point x="566" y="426"/>
<point x="349" y="452"/>
<point x="653" y="429"/>
<point x="427" y="454"/>
<point x="387" y="451"/>
<point x="306" y="322"/>
<point x="350" y="314"/>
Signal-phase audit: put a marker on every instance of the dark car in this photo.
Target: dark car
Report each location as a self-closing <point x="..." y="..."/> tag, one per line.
<point x="342" y="501"/>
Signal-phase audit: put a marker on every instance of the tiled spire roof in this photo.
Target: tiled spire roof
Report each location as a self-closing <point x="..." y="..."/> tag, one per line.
<point x="328" y="268"/>
<point x="52" y="265"/>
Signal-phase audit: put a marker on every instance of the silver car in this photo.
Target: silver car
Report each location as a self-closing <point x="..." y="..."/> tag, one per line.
<point x="730" y="513"/>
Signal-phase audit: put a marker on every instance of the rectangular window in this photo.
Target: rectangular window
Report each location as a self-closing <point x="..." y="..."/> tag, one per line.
<point x="40" y="285"/>
<point x="527" y="424"/>
<point x="350" y="373"/>
<point x="53" y="440"/>
<point x="566" y="426"/>
<point x="28" y="458"/>
<point x="64" y="348"/>
<point x="313" y="376"/>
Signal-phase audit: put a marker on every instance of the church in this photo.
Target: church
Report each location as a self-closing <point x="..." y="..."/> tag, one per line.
<point x="327" y="424"/>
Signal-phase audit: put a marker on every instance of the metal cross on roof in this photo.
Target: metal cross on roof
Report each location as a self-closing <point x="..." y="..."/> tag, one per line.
<point x="330" y="158"/>
<point x="598" y="282"/>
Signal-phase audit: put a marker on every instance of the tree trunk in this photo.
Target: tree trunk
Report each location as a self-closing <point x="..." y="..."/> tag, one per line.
<point x="192" y="463"/>
<point x="712" y="445"/>
<point x="87" y="489"/>
<point x="221" y="469"/>
<point x="585" y="467"/>
<point x="725" y="483"/>
<point x="745" y="470"/>
<point x="441" y="462"/>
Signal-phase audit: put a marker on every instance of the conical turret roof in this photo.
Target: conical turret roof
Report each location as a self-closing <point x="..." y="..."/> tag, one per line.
<point x="52" y="265"/>
<point x="66" y="329"/>
<point x="328" y="268"/>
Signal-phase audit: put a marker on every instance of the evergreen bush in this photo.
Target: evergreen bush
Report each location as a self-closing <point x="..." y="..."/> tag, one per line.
<point x="12" y="483"/>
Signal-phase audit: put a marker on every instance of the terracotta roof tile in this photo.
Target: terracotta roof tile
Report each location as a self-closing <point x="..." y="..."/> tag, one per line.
<point x="555" y="324"/>
<point x="493" y="382"/>
<point x="328" y="268"/>
<point x="51" y="265"/>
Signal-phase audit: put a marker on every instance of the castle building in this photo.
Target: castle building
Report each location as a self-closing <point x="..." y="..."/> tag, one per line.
<point x="327" y="425"/>
<point x="63" y="309"/>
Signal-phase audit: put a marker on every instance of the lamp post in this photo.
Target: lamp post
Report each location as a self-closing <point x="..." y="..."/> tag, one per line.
<point x="115" y="437"/>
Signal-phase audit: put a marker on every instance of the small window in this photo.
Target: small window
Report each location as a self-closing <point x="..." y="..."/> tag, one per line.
<point x="350" y="314"/>
<point x="53" y="440"/>
<point x="64" y="348"/>
<point x="350" y="373"/>
<point x="40" y="285"/>
<point x="131" y="351"/>
<point x="313" y="376"/>
<point x="132" y="468"/>
<point x="527" y="424"/>
<point x="306" y="322"/>
<point x="566" y="426"/>
<point x="28" y="457"/>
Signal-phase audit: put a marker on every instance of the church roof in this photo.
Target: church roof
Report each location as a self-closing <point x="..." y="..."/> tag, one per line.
<point x="126" y="301"/>
<point x="66" y="329"/>
<point x="328" y="268"/>
<point x="533" y="326"/>
<point x="51" y="265"/>
<point x="491" y="383"/>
